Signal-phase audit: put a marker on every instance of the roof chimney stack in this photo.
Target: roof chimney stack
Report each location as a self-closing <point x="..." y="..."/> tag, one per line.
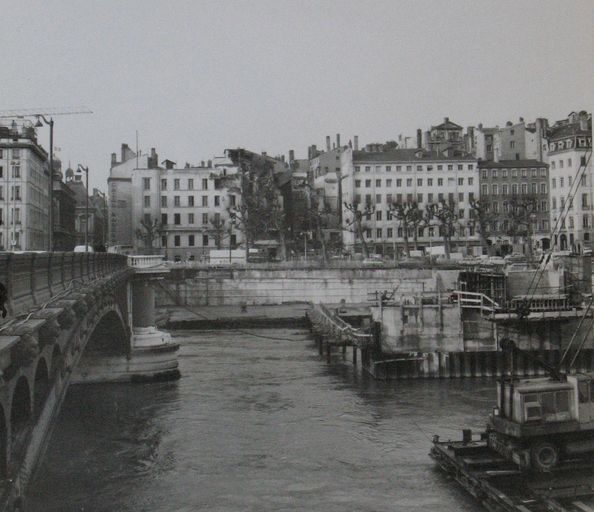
<point x="114" y="159"/>
<point x="291" y="155"/>
<point x="327" y="142"/>
<point x="356" y="143"/>
<point x="419" y="138"/>
<point x="338" y="141"/>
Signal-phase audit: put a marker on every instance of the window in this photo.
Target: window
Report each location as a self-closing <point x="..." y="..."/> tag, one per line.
<point x="524" y="189"/>
<point x="419" y="198"/>
<point x="16" y="171"/>
<point x="164" y="219"/>
<point x="429" y="182"/>
<point x="419" y="182"/>
<point x="191" y="242"/>
<point x="543" y="172"/>
<point x="554" y="203"/>
<point x="460" y="182"/>
<point x="560" y="164"/>
<point x="16" y="154"/>
<point x="368" y="168"/>
<point x="357" y="198"/>
<point x="163" y="184"/>
<point x="190" y="218"/>
<point x="177" y="219"/>
<point x="586" y="221"/>
<point x="357" y="168"/>
<point x="504" y="190"/>
<point x="176" y="201"/>
<point x="409" y="182"/>
<point x="146" y="183"/>
<point x="357" y="183"/>
<point x="147" y="201"/>
<point x="494" y="173"/>
<point x="515" y="189"/>
<point x="398" y="183"/>
<point x="378" y="215"/>
<point x="378" y="198"/>
<point x="378" y="168"/>
<point x="217" y="200"/>
<point x="470" y="167"/>
<point x="408" y="168"/>
<point x="440" y="167"/>
<point x="378" y="233"/>
<point x="232" y="200"/>
<point x="17" y="193"/>
<point x="582" y="161"/>
<point x="204" y="184"/>
<point x="485" y="190"/>
<point x="554" y="183"/>
<point x="389" y="232"/>
<point x="367" y="183"/>
<point x="470" y="181"/>
<point x="543" y="188"/>
<point x="164" y="241"/>
<point x="543" y="206"/>
<point x="388" y="198"/>
<point x="430" y="198"/>
<point x="485" y="173"/>
<point x="176" y="184"/>
<point x="584" y="200"/>
<point x="378" y="183"/>
<point x="583" y="180"/>
<point x="367" y="198"/>
<point x="561" y="182"/>
<point x="163" y="201"/>
<point x="190" y="184"/>
<point x="440" y="197"/>
<point x="388" y="168"/>
<point x="552" y="165"/>
<point x="398" y="168"/>
<point x="461" y="213"/>
<point x="533" y="188"/>
<point x="534" y="173"/>
<point x="440" y="182"/>
<point x="450" y="167"/>
<point x="429" y="168"/>
<point x="512" y="144"/>
<point x="419" y="168"/>
<point x="460" y="197"/>
<point x="190" y="200"/>
<point x="205" y="218"/>
<point x="204" y="200"/>
<point x="177" y="240"/>
<point x="388" y="183"/>
<point x="514" y="173"/>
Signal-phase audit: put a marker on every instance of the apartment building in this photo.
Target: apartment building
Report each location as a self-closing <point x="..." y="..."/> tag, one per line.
<point x="569" y="157"/>
<point x="515" y="196"/>
<point x="189" y="204"/>
<point x="24" y="188"/>
<point x="408" y="176"/>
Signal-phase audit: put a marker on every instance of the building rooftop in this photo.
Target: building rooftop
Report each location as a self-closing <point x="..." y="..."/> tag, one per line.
<point x="409" y="155"/>
<point x="512" y="163"/>
<point x="447" y="125"/>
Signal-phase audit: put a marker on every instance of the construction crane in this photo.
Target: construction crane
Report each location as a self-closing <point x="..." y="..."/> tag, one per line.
<point x="40" y="114"/>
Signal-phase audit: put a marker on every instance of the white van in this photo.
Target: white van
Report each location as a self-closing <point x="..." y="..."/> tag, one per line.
<point x="81" y="248"/>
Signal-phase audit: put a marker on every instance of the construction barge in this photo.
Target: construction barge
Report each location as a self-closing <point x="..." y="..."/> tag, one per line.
<point x="500" y="486"/>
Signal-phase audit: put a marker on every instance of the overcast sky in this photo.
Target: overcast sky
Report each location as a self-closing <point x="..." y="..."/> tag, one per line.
<point x="196" y="77"/>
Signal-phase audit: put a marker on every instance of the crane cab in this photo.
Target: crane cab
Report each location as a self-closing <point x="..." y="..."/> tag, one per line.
<point x="584" y="396"/>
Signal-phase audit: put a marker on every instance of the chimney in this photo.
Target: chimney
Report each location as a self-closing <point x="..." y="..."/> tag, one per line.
<point x="263" y="154"/>
<point x="125" y="149"/>
<point x="282" y="159"/>
<point x="356" y="143"/>
<point x="446" y="120"/>
<point x="291" y="155"/>
<point x="333" y="145"/>
<point x="521" y="119"/>
<point x="419" y="138"/>
<point x="480" y="126"/>
<point x="327" y="142"/>
<point x="428" y="140"/>
<point x="209" y="164"/>
<point x="114" y="159"/>
<point x="338" y="141"/>
<point x="201" y="163"/>
<point x="583" y="121"/>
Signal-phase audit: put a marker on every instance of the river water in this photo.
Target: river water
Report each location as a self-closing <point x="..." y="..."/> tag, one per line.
<point x="258" y="422"/>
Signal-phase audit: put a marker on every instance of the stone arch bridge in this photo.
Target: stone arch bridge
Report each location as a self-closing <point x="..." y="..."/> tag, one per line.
<point x="70" y="317"/>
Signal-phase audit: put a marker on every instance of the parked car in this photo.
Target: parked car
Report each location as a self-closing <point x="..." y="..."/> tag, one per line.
<point x="82" y="248"/>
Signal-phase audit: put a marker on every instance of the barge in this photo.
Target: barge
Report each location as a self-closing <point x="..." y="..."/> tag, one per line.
<point x="501" y="486"/>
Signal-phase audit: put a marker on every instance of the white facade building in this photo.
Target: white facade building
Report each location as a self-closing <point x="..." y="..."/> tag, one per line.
<point x="406" y="176"/>
<point x="191" y="204"/>
<point x="570" y="173"/>
<point x="24" y="183"/>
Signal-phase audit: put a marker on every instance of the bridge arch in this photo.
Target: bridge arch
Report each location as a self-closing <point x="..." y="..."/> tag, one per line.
<point x="41" y="386"/>
<point x="20" y="406"/>
<point x="110" y="336"/>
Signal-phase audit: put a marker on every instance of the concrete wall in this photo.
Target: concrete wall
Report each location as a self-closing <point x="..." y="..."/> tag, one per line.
<point x="233" y="287"/>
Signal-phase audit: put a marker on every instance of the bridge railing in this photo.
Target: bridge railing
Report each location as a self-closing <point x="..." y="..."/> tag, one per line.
<point x="31" y="279"/>
<point x="145" y="260"/>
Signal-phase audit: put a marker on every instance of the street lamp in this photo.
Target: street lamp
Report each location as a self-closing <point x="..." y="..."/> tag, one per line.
<point x="82" y="169"/>
<point x="39" y="124"/>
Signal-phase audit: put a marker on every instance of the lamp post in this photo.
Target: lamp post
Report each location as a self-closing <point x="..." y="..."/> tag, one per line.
<point x="39" y="124"/>
<point x="86" y="171"/>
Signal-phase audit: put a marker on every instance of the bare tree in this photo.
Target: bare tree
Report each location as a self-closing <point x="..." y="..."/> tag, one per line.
<point x="356" y="224"/>
<point x="447" y="216"/>
<point x="148" y="232"/>
<point x="218" y="230"/>
<point x="521" y="211"/>
<point x="481" y="217"/>
<point x="409" y="217"/>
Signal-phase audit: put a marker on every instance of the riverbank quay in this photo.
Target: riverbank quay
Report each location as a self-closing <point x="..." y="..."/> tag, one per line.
<point x="233" y="316"/>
